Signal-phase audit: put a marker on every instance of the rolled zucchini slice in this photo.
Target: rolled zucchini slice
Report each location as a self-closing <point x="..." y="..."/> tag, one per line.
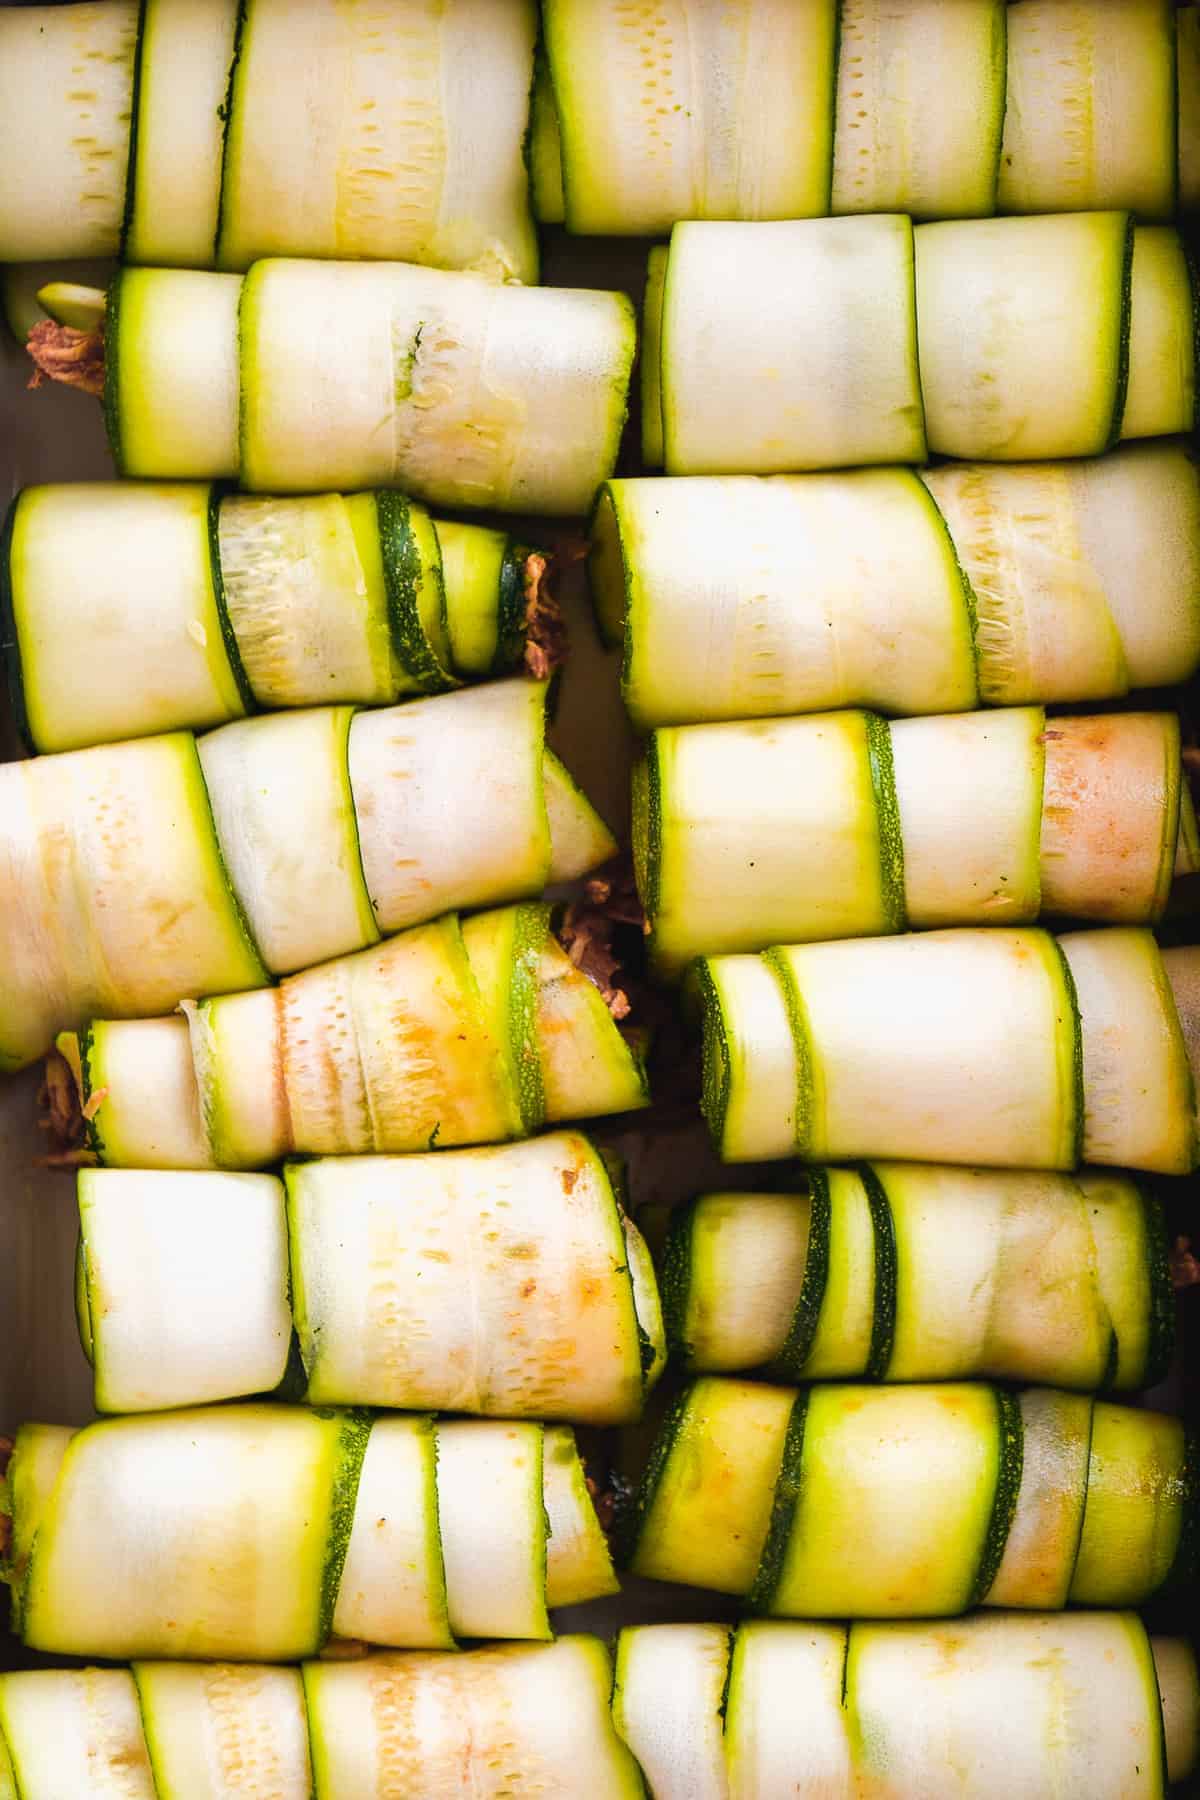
<point x="507" y="1242"/>
<point x="920" y="108"/>
<point x="21" y="283"/>
<point x="1023" y="327"/>
<point x="703" y="113"/>
<point x="736" y="597"/>
<point x="991" y="1073"/>
<point x="817" y="326"/>
<point x="1053" y="553"/>
<point x="1090" y="118"/>
<point x="118" y="624"/>
<point x="1163" y="336"/>
<point x="539" y="1712"/>
<point x="210" y="1728"/>
<point x="96" y="917"/>
<point x="912" y="1272"/>
<point x="463" y="391"/>
<point x="839" y="825"/>
<point x="438" y="1037"/>
<point x="1038" y="1050"/>
<point x="186" y="1285"/>
<point x="73" y="1731"/>
<point x="414" y="121"/>
<point x="247" y="1531"/>
<point x="492" y="1282"/>
<point x="171" y="381"/>
<point x="185" y="57"/>
<point x="909" y="1708"/>
<point x="66" y="87"/>
<point x="139" y="609"/>
<point x="838" y="1501"/>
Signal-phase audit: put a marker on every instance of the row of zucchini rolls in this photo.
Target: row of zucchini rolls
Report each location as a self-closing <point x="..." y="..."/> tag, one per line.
<point x="351" y="1010"/>
<point x="168" y="131"/>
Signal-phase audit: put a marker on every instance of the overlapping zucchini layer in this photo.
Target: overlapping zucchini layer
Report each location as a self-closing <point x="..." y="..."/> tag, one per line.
<point x="739" y="596"/>
<point x="1004" y="1046"/>
<point x="912" y="1272"/>
<point x="266" y="1531"/>
<point x="137" y="874"/>
<point x="914" y="1501"/>
<point x="497" y="1282"/>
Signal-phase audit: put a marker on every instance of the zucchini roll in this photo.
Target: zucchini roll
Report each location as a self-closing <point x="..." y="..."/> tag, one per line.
<point x="990" y="1707"/>
<point x="910" y="1272"/>
<point x="306" y="376"/>
<point x="914" y="1502"/>
<point x="502" y="1282"/>
<point x="135" y="609"/>
<point x="453" y="1033"/>
<point x="134" y="875"/>
<point x="738" y="597"/>
<point x="169" y="131"/>
<point x="1005" y="1047"/>
<point x="269" y="1531"/>
<point x="511" y="1718"/>
<point x="940" y="108"/>
<point x="840" y="825"/>
<point x="859" y="341"/>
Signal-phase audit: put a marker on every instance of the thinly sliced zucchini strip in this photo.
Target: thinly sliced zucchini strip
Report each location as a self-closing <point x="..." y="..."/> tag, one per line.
<point x="74" y="1731"/>
<point x="920" y="107"/>
<point x="1090" y="116"/>
<point x="669" y="1705"/>
<point x="66" y="93"/>
<point x="702" y="113"/>
<point x="22" y="282"/>
<point x="532" y="1714"/>
<point x="1023" y="327"/>
<point x="211" y="1729"/>
<point x="185" y="55"/>
<point x="913" y="1500"/>
<point x="115" y="896"/>
<point x="544" y="148"/>
<point x="1163" y="336"/>
<point x="118" y="624"/>
<point x="171" y="381"/>
<point x="464" y="391"/>
<point x="520" y="1305"/>
<point x="413" y="118"/>
<point x="817" y="325"/>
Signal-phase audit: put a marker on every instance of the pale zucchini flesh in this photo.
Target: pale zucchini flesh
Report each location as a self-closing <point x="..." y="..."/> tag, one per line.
<point x="171" y="375"/>
<point x="285" y="817"/>
<point x="75" y="1731"/>
<point x="412" y="119"/>
<point x="66" y="87"/>
<point x="493" y="1528"/>
<point x="117" y="619"/>
<point x="393" y="1582"/>
<point x="223" y="1729"/>
<point x="579" y="1562"/>
<point x="920" y="107"/>
<point x="185" y="53"/>
<point x="460" y="390"/>
<point x="703" y="112"/>
<point x="177" y="1315"/>
<point x="1043" y="1539"/>
<point x="1163" y="335"/>
<point x="739" y="597"/>
<point x="1023" y="329"/>
<point x="668" y="1704"/>
<point x="1090" y="118"/>
<point x="791" y="345"/>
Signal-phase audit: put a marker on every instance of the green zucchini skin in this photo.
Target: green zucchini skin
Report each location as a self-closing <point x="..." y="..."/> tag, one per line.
<point x="803" y="1327"/>
<point x="883" y="1329"/>
<point x="982" y="1520"/>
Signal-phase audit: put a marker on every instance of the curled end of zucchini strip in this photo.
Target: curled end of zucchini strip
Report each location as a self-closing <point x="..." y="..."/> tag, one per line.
<point x="63" y="1114"/>
<point x="67" y="355"/>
